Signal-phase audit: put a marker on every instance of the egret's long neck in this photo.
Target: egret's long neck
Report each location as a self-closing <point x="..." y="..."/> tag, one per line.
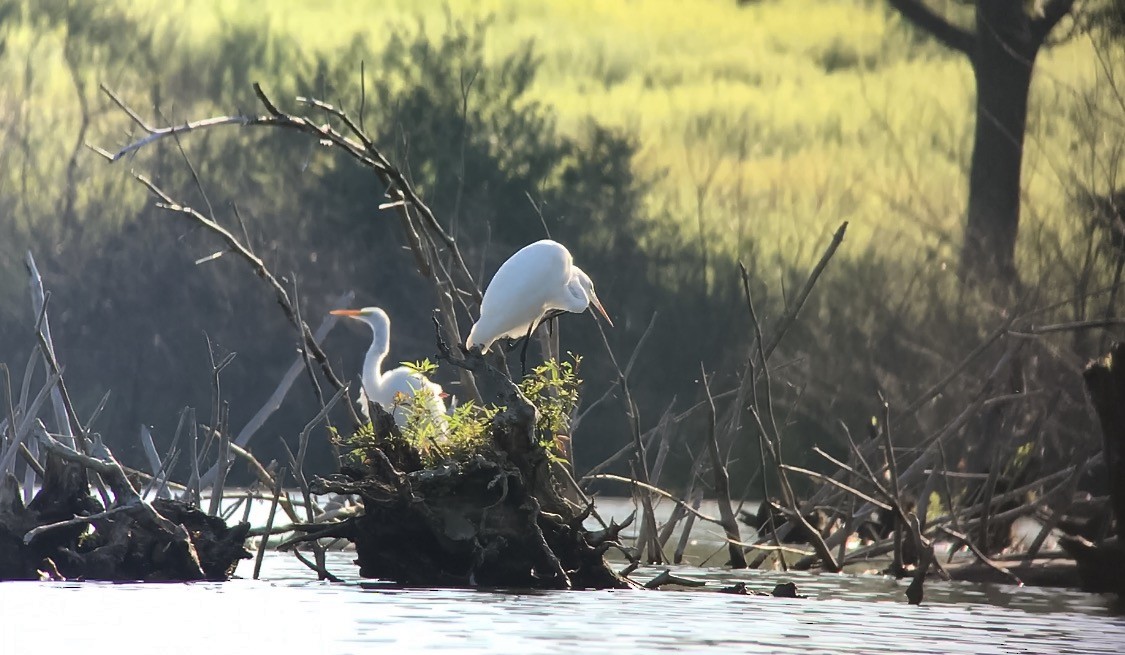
<point x="373" y="363"/>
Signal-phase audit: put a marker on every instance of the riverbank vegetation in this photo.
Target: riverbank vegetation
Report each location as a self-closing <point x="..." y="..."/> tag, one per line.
<point x="664" y="158"/>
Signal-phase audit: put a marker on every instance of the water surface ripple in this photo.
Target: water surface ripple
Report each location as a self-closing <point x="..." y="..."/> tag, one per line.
<point x="290" y="611"/>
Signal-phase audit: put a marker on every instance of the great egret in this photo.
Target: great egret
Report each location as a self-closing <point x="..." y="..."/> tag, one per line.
<point x="395" y="389"/>
<point x="539" y="279"/>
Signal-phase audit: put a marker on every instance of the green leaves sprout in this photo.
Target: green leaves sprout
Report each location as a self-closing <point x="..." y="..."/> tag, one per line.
<point x="463" y="433"/>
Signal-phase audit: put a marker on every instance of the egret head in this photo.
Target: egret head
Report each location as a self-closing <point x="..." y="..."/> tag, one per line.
<point x="587" y="286"/>
<point x="375" y="317"/>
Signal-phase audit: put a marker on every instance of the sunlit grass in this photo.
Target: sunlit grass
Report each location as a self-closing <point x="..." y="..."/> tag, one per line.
<point x="808" y="112"/>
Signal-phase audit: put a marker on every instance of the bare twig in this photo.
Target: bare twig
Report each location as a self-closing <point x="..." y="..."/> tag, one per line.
<point x="269" y="521"/>
<point x="722" y="483"/>
<point x="78" y="520"/>
<point x="836" y="483"/>
<point x="263" y="272"/>
<point x="984" y="559"/>
<point x="659" y="492"/>
<point x="799" y="301"/>
<point x="648" y="522"/>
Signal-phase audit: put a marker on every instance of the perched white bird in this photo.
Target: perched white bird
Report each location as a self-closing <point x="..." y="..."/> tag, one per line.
<point x="535" y="281"/>
<point x="393" y="390"/>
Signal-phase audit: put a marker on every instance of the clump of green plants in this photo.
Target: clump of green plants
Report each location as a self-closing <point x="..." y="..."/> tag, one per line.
<point x="464" y="432"/>
<point x="457" y="436"/>
<point x="553" y="388"/>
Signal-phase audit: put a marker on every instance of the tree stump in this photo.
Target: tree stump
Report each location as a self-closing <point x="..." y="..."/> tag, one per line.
<point x="1102" y="565"/>
<point x="496" y="520"/>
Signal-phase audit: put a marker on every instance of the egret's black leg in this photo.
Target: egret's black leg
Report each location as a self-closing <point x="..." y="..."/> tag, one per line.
<point x="523" y="351"/>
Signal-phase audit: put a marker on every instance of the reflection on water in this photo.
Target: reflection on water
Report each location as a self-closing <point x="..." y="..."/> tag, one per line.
<point x="289" y="610"/>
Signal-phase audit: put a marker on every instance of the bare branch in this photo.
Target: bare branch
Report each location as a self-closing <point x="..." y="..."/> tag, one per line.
<point x="836" y="483"/>
<point x="803" y="295"/>
<point x="309" y="341"/>
<point x="659" y="492"/>
<point x="1051" y="12"/>
<point x="938" y="26"/>
<point x="722" y="481"/>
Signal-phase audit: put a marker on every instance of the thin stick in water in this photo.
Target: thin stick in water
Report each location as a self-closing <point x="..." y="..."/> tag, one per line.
<point x="278" y="481"/>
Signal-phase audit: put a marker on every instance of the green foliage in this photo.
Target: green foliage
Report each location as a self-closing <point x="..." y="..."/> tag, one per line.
<point x="354" y="447"/>
<point x="467" y="433"/>
<point x="421" y="367"/>
<point x="464" y="433"/>
<point x="553" y="388"/>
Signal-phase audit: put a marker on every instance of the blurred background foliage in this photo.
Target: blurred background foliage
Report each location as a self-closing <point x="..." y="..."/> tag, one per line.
<point x="662" y="148"/>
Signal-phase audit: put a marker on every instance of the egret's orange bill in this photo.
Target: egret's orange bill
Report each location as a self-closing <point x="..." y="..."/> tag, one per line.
<point x="598" y="304"/>
<point x="345" y="312"/>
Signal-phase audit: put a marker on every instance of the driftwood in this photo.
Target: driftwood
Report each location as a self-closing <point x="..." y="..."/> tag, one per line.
<point x="132" y="540"/>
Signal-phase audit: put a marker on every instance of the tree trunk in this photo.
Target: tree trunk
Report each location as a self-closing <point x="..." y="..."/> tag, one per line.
<point x="1101" y="566"/>
<point x="1002" y="48"/>
<point x="1105" y="383"/>
<point x="1003" y="56"/>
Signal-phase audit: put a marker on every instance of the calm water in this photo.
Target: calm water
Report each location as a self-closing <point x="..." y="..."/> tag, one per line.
<point x="288" y="610"/>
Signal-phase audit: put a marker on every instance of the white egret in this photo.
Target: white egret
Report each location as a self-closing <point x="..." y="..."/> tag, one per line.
<point x="539" y="279"/>
<point x="395" y="389"/>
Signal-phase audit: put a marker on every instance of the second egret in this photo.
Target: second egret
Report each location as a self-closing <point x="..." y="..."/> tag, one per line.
<point x="540" y="278"/>
<point x="395" y="389"/>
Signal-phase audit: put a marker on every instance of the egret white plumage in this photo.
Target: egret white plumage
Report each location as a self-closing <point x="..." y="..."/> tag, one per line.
<point x="539" y="279"/>
<point x="395" y="389"/>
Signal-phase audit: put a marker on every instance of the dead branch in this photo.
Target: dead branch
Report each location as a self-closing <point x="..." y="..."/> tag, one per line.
<point x="269" y="521"/>
<point x="648" y="521"/>
<point x="660" y="492"/>
<point x="794" y="308"/>
<point x="984" y="559"/>
<point x="836" y="483"/>
<point x="78" y="520"/>
<point x="166" y="203"/>
<point x="722" y="483"/>
<point x="404" y="200"/>
<point x="666" y="577"/>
